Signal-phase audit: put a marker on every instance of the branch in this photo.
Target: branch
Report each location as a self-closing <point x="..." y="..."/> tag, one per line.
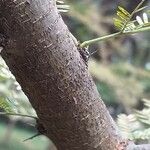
<point x="46" y="62"/>
<point x="16" y="114"/>
<point x="43" y="57"/>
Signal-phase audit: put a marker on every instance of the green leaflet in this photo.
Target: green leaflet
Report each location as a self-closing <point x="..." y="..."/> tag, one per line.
<point x="123" y="16"/>
<point x="61" y="6"/>
<point x="136" y="126"/>
<point x="5" y="105"/>
<point x="124" y="23"/>
<point x="123" y="11"/>
<point x="142" y="134"/>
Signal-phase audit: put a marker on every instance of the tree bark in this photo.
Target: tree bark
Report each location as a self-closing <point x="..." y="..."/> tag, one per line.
<point x="41" y="53"/>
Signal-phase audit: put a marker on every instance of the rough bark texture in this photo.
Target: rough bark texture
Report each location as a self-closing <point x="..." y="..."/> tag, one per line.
<point x="41" y="54"/>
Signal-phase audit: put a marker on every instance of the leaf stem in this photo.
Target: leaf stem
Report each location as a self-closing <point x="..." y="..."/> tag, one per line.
<point x="89" y="42"/>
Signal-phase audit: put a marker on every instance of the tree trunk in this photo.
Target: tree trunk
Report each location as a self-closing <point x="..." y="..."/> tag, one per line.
<point x="42" y="54"/>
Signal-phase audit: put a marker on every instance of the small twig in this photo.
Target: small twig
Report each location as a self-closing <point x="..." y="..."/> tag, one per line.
<point x="87" y="43"/>
<point x="30" y="138"/>
<point x="16" y="114"/>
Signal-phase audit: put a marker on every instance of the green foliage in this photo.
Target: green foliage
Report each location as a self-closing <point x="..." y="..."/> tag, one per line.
<point x="14" y="140"/>
<point x="5" y="105"/>
<point x="122" y="70"/>
<point x="124" y="22"/>
<point x="61" y="6"/>
<point x="136" y="126"/>
<point x="81" y="6"/>
<point x="12" y="98"/>
<point x="144" y="115"/>
<point x="107" y="93"/>
<point x="127" y="84"/>
<point x="123" y="18"/>
<point x="146" y="86"/>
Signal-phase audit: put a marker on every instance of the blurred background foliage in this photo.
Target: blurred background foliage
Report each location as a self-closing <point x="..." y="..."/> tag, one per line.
<point x="120" y="69"/>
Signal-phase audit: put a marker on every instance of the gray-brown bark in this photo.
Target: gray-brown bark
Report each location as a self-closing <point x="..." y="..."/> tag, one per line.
<point x="42" y="55"/>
